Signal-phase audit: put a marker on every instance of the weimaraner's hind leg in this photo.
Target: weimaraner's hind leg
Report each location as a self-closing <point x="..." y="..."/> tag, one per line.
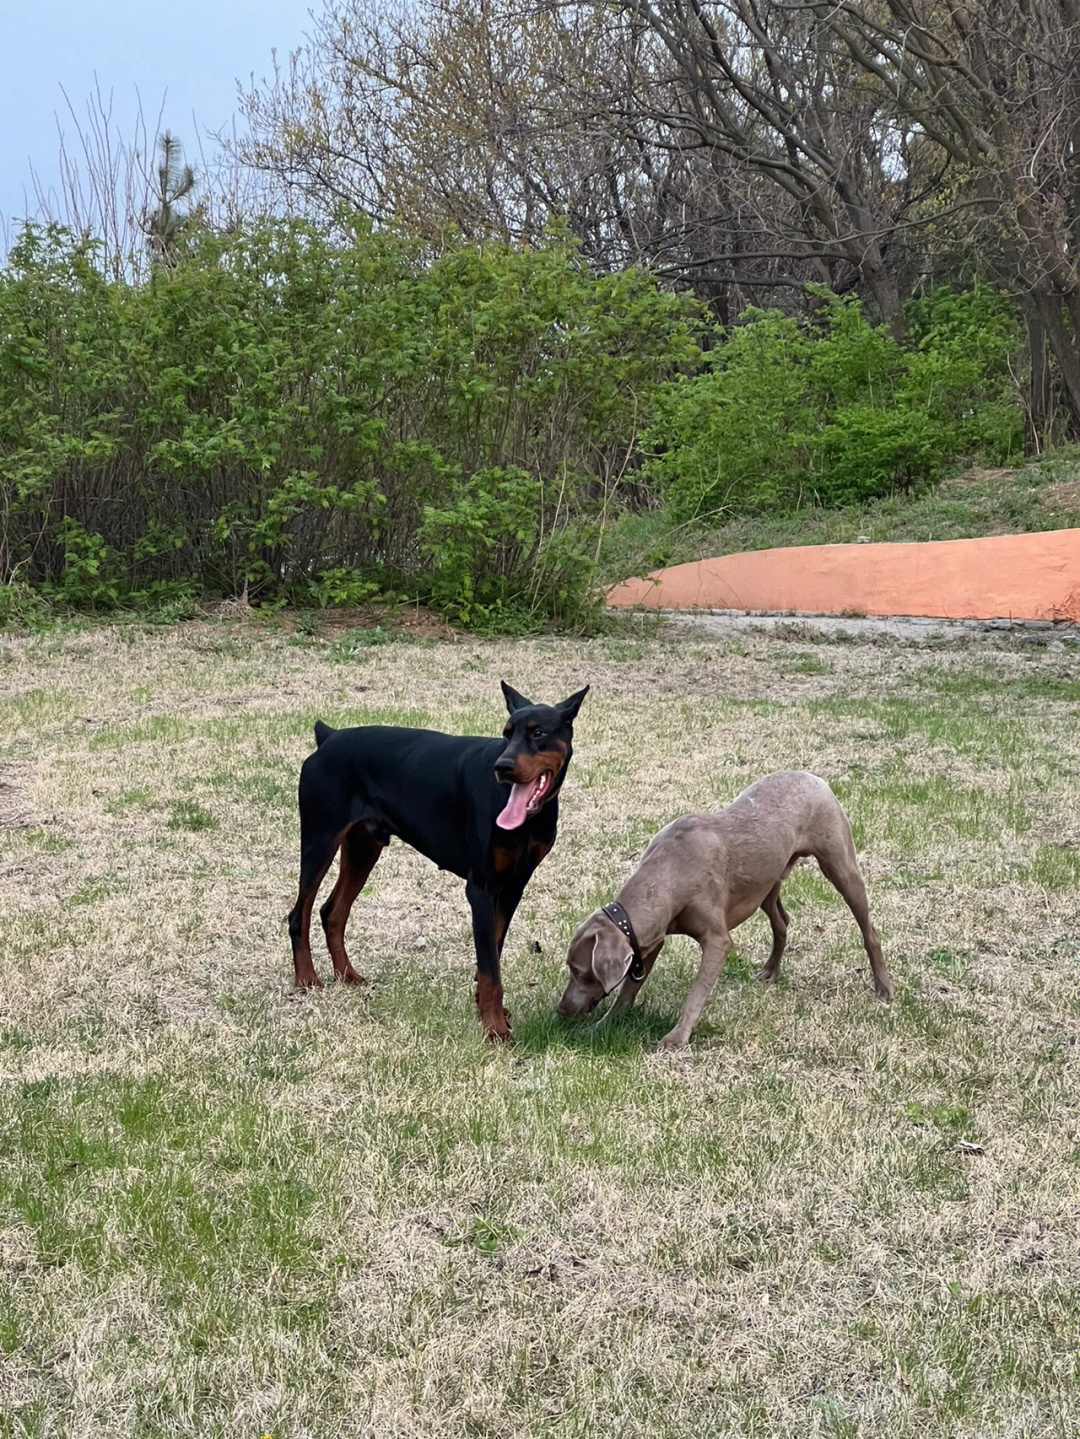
<point x="777" y="916"/>
<point x="840" y="868"/>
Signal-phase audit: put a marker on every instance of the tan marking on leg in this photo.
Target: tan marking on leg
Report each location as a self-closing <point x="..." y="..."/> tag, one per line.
<point x="358" y="859"/>
<point x="489" y="1001"/>
<point x="304" y="976"/>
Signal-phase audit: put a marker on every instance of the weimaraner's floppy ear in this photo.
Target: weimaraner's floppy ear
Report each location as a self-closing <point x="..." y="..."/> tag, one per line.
<point x="514" y="701"/>
<point x="569" y="707"/>
<point x="610" y="961"/>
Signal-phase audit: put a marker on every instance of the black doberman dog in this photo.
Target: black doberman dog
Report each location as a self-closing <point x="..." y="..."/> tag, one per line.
<point x="446" y="795"/>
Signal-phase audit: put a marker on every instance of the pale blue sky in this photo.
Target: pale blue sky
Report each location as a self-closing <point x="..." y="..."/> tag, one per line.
<point x="191" y="55"/>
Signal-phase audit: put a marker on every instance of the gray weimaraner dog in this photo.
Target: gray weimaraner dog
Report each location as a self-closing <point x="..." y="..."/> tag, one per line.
<point x="704" y="874"/>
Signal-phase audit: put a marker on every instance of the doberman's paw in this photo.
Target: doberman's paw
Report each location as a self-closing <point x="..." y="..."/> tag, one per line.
<point x="349" y="976"/>
<point x="494" y="1018"/>
<point x="497" y="1028"/>
<point x="306" y="983"/>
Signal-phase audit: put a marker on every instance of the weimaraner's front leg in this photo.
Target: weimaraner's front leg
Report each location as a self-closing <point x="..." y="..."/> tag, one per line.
<point x="714" y="952"/>
<point x="628" y="992"/>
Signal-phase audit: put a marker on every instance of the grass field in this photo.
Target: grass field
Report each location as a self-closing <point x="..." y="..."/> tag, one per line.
<point x="227" y="1212"/>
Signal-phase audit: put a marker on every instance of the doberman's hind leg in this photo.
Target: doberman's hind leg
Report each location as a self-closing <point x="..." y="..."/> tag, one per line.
<point x="360" y="851"/>
<point x="841" y="870"/>
<point x="316" y="856"/>
<point x="777" y="916"/>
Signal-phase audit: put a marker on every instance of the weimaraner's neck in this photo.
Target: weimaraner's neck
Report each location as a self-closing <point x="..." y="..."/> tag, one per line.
<point x="652" y="901"/>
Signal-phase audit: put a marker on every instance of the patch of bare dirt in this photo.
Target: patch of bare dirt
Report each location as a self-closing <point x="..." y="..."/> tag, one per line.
<point x="413" y="620"/>
<point x="1065" y="495"/>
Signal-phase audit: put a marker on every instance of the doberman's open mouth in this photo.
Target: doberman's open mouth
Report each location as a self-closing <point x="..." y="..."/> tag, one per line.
<point x="525" y="800"/>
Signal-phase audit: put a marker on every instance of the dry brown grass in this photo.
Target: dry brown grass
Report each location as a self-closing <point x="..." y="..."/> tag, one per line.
<point x="1063" y="495"/>
<point x="223" y="1211"/>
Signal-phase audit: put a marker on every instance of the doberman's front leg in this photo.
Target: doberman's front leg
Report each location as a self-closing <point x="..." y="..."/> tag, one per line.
<point x="506" y="901"/>
<point x="489" y="993"/>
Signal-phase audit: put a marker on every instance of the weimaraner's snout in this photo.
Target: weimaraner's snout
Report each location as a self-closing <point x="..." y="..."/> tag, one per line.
<point x="575" y="1002"/>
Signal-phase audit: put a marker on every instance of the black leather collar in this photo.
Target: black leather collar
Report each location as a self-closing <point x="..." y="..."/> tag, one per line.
<point x="621" y="920"/>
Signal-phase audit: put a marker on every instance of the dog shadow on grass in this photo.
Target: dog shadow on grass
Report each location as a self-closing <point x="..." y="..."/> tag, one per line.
<point x="634" y="1033"/>
<point x="640" y="1031"/>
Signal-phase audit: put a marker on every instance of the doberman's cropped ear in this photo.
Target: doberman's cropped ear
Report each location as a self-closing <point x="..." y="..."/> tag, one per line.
<point x="514" y="701"/>
<point x="569" y="708"/>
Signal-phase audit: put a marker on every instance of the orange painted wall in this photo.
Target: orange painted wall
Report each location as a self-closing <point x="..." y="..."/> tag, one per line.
<point x="1031" y="577"/>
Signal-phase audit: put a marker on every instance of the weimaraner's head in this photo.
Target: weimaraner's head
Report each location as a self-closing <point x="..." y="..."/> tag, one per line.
<point x="598" y="958"/>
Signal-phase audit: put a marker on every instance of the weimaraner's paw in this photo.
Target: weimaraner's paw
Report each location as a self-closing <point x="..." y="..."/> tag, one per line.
<point x="884" y="993"/>
<point x="672" y="1040"/>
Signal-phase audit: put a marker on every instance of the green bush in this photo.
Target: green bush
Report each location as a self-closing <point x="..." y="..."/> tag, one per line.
<point x="323" y="422"/>
<point x="318" y="421"/>
<point x="784" y="413"/>
<point x="962" y="353"/>
<point x="492" y="568"/>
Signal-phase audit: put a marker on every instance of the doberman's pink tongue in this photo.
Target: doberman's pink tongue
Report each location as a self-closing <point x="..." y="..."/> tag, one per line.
<point x="517" y="805"/>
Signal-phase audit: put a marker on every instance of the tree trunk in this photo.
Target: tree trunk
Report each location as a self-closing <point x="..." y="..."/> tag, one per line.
<point x="1066" y="351"/>
<point x="886" y="293"/>
<point x="1037" y="421"/>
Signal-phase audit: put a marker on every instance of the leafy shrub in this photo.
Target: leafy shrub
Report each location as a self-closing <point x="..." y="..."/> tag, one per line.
<point x="491" y="565"/>
<point x="22" y="607"/>
<point x="962" y="349"/>
<point x="324" y="421"/>
<point x="296" y="417"/>
<point x="90" y="578"/>
<point x="782" y="413"/>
